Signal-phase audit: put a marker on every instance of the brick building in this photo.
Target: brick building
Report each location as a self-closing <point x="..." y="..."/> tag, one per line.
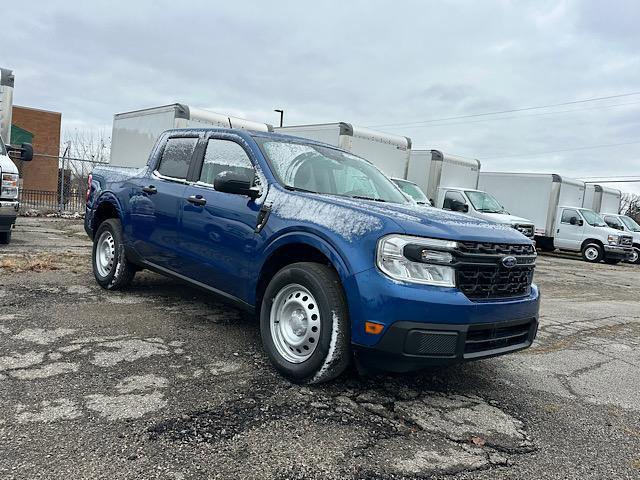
<point x="42" y="128"/>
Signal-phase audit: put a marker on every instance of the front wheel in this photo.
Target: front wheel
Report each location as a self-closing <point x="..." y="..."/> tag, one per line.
<point x="592" y="253"/>
<point x="304" y="323"/>
<point x="111" y="268"/>
<point x="635" y="255"/>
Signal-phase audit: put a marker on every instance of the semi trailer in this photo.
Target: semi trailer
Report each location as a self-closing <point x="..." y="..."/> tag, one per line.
<point x="388" y="152"/>
<point x="555" y="204"/>
<point x="601" y="199"/>
<point x="135" y="133"/>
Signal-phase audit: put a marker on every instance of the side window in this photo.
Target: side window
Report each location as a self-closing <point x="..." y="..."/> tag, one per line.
<point x="225" y="156"/>
<point x="451" y="198"/>
<point x="613" y="222"/>
<point x="176" y="157"/>
<point x="567" y="214"/>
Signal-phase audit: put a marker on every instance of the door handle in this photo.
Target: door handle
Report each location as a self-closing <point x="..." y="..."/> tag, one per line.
<point x="150" y="190"/>
<point x="197" y="200"/>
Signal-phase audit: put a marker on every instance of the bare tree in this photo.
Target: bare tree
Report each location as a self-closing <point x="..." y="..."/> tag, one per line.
<point x="83" y="150"/>
<point x="630" y="205"/>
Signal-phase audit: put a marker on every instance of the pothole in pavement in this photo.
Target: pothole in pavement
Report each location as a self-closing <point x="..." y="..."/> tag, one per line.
<point x="407" y="432"/>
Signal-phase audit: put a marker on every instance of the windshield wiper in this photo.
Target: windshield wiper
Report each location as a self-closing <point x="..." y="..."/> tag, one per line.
<point x="486" y="210"/>
<point x="298" y="189"/>
<point x="360" y="197"/>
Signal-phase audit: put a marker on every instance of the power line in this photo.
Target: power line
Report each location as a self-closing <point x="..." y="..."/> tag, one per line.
<point x="533" y="154"/>
<point x="505" y="111"/>
<point x="599" y="107"/>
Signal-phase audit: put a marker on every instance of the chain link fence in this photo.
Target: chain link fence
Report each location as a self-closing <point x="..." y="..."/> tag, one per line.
<point x="71" y="192"/>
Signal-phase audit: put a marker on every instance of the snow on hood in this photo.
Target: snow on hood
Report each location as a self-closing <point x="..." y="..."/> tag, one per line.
<point x="505" y="218"/>
<point x="352" y="218"/>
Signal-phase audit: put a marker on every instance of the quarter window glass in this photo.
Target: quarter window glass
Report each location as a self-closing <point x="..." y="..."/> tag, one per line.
<point x="176" y="157"/>
<point x="567" y="214"/>
<point x="451" y="198"/>
<point x="225" y="156"/>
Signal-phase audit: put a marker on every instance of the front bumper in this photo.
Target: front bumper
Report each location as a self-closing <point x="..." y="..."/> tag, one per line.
<point x="407" y="311"/>
<point x="8" y="214"/>
<point x="618" y="252"/>
<point x="408" y="346"/>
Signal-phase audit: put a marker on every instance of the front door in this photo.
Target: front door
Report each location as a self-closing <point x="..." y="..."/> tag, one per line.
<point x="218" y="236"/>
<point x="156" y="204"/>
<point x="570" y="230"/>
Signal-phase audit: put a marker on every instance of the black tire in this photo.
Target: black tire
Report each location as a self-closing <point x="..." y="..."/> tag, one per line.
<point x="5" y="237"/>
<point x="612" y="261"/>
<point x="592" y="252"/>
<point x="636" y="250"/>
<point x="332" y="353"/>
<point x="121" y="272"/>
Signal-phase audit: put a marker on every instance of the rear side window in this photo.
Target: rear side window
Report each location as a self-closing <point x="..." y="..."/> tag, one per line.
<point x="225" y="156"/>
<point x="567" y="214"/>
<point x="177" y="157"/>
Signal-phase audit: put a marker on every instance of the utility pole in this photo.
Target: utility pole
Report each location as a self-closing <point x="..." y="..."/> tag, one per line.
<point x="281" y="112"/>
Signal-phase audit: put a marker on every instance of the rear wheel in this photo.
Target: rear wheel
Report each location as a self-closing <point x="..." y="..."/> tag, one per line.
<point x="5" y="237"/>
<point x="111" y="268"/>
<point x="304" y="323"/>
<point x="592" y="252"/>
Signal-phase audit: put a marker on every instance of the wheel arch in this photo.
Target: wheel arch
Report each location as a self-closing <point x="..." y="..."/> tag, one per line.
<point x="591" y="240"/>
<point x="108" y="206"/>
<point x="297" y="247"/>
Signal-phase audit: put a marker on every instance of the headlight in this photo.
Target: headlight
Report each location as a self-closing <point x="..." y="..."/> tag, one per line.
<point x="612" y="239"/>
<point x="9" y="185"/>
<point x="417" y="259"/>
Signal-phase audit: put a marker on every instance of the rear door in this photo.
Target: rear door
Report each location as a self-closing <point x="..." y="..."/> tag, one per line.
<point x="569" y="233"/>
<point x="156" y="203"/>
<point x="218" y="236"/>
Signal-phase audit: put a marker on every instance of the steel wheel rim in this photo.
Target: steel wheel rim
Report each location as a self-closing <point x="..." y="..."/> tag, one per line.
<point x="295" y="323"/>
<point x="105" y="253"/>
<point x="591" y="253"/>
<point x="634" y="256"/>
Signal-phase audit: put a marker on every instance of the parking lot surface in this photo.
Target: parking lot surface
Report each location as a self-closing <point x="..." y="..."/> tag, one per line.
<point x="163" y="381"/>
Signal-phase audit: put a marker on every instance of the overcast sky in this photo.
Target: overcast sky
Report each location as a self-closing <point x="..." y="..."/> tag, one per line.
<point x="366" y="62"/>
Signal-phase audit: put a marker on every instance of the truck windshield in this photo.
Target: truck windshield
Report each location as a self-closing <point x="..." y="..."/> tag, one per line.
<point x="593" y="218"/>
<point x="630" y="223"/>
<point x="318" y="169"/>
<point x="483" y="202"/>
<point x="412" y="190"/>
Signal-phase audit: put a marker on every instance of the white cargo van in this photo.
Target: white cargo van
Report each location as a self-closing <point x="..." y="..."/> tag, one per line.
<point x="8" y="171"/>
<point x="554" y="203"/>
<point x="628" y="225"/>
<point x="388" y="152"/>
<point x="602" y="199"/>
<point x="451" y="183"/>
<point x="135" y="133"/>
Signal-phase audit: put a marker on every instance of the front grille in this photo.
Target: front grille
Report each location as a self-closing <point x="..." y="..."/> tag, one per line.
<point x="626" y="241"/>
<point x="481" y="273"/>
<point x="526" y="230"/>
<point x="481" y="338"/>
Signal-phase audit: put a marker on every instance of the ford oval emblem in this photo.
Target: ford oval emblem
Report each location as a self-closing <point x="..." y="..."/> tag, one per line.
<point x="509" y="262"/>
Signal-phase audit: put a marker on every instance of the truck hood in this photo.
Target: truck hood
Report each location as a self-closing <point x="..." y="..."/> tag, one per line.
<point x="6" y="165"/>
<point x="505" y="219"/>
<point x="416" y="220"/>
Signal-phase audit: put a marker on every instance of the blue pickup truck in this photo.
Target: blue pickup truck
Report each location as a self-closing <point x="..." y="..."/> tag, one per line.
<point x="335" y="261"/>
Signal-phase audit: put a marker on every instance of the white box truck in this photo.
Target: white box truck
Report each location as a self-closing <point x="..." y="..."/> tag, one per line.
<point x="388" y="152"/>
<point x="628" y="225"/>
<point x="135" y="133"/>
<point x="554" y="203"/>
<point x="8" y="171"/>
<point x="451" y="183"/>
<point x="602" y="199"/>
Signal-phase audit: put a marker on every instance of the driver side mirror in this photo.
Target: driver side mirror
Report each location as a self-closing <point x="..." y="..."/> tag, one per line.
<point x="24" y="152"/>
<point x="236" y="183"/>
<point x="458" y="206"/>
